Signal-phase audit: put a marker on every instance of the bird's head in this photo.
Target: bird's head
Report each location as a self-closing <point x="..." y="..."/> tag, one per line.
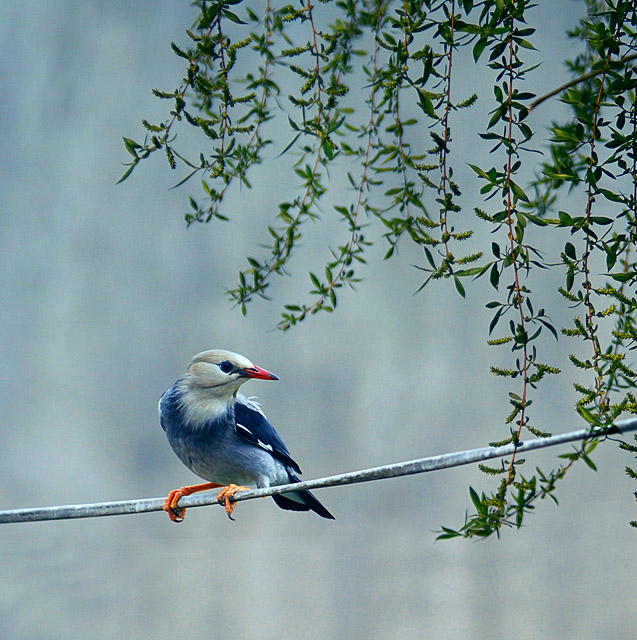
<point x="222" y="372"/>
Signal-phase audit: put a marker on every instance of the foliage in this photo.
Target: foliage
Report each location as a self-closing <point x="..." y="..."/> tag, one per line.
<point x="401" y="56"/>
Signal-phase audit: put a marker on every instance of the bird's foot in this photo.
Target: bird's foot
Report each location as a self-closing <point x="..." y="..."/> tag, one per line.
<point x="223" y="497"/>
<point x="170" y="506"/>
<point x="176" y="513"/>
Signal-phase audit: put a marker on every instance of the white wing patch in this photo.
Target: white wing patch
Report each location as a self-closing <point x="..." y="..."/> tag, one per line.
<point x="267" y="447"/>
<point x="245" y="429"/>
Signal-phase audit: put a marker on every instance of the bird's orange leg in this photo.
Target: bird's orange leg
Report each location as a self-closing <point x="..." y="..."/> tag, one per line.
<point x="223" y="497"/>
<point x="177" y="514"/>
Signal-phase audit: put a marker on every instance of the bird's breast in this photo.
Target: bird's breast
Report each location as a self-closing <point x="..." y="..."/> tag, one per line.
<point x="213" y="450"/>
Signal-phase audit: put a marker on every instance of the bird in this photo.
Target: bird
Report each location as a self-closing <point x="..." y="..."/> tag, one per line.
<point x="224" y="437"/>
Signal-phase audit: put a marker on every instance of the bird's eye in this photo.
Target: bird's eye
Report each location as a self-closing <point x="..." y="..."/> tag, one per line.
<point x="226" y="366"/>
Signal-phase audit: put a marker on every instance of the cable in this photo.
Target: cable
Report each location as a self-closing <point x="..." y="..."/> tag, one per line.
<point x="422" y="465"/>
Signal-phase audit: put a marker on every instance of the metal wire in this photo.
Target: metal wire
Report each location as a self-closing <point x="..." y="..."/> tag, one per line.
<point x="422" y="465"/>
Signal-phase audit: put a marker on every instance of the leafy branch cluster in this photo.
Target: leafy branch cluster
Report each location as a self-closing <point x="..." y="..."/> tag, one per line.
<point x="395" y="147"/>
<point x="504" y="34"/>
<point x="323" y="60"/>
<point x="594" y="153"/>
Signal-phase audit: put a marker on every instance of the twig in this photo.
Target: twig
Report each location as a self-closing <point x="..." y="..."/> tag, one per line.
<point x="572" y="83"/>
<point x="515" y="255"/>
<point x="423" y="465"/>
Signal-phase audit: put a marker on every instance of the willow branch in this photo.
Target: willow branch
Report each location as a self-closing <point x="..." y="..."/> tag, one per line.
<point x="572" y="83"/>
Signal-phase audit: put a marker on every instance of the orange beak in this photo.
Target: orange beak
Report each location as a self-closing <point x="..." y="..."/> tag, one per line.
<point x="258" y="373"/>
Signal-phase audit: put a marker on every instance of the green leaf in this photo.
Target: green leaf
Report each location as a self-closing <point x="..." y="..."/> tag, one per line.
<point x="448" y="534"/>
<point x="473" y="271"/>
<point x="622" y="277"/>
<point x="549" y="326"/>
<point x="232" y="17"/>
<point x="519" y="192"/>
<point x="459" y="286"/>
<point x="495" y="319"/>
<point x="494" y="276"/>
<point x="601" y="220"/>
<point x="128" y="171"/>
<point x="524" y="43"/>
<point x="178" y="51"/>
<point x="429" y="257"/>
<point x="479" y="47"/>
<point x="589" y="463"/>
<point x="475" y="498"/>
<point x="289" y="146"/>
<point x="588" y="416"/>
<point x="480" y="172"/>
<point x="328" y="148"/>
<point x="426" y="104"/>
<point x="185" y="179"/>
<point x="132" y="146"/>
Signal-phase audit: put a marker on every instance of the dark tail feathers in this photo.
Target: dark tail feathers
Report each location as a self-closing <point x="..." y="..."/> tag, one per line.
<point x="309" y="501"/>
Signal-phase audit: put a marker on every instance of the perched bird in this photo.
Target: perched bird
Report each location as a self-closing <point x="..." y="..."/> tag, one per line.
<point x="224" y="437"/>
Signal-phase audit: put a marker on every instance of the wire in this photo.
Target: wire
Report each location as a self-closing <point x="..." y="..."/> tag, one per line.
<point x="422" y="465"/>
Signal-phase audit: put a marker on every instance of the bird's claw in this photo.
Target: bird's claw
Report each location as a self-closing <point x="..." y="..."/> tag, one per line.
<point x="223" y="497"/>
<point x="175" y="513"/>
<point x="171" y="506"/>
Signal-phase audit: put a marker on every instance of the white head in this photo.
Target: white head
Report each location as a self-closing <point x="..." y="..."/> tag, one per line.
<point x="224" y="371"/>
<point x="212" y="380"/>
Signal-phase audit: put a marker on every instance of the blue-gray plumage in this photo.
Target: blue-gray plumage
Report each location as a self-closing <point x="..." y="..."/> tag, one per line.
<point x="224" y="437"/>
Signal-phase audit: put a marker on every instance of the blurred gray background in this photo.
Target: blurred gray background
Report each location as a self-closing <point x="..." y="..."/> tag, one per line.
<point x="105" y="296"/>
